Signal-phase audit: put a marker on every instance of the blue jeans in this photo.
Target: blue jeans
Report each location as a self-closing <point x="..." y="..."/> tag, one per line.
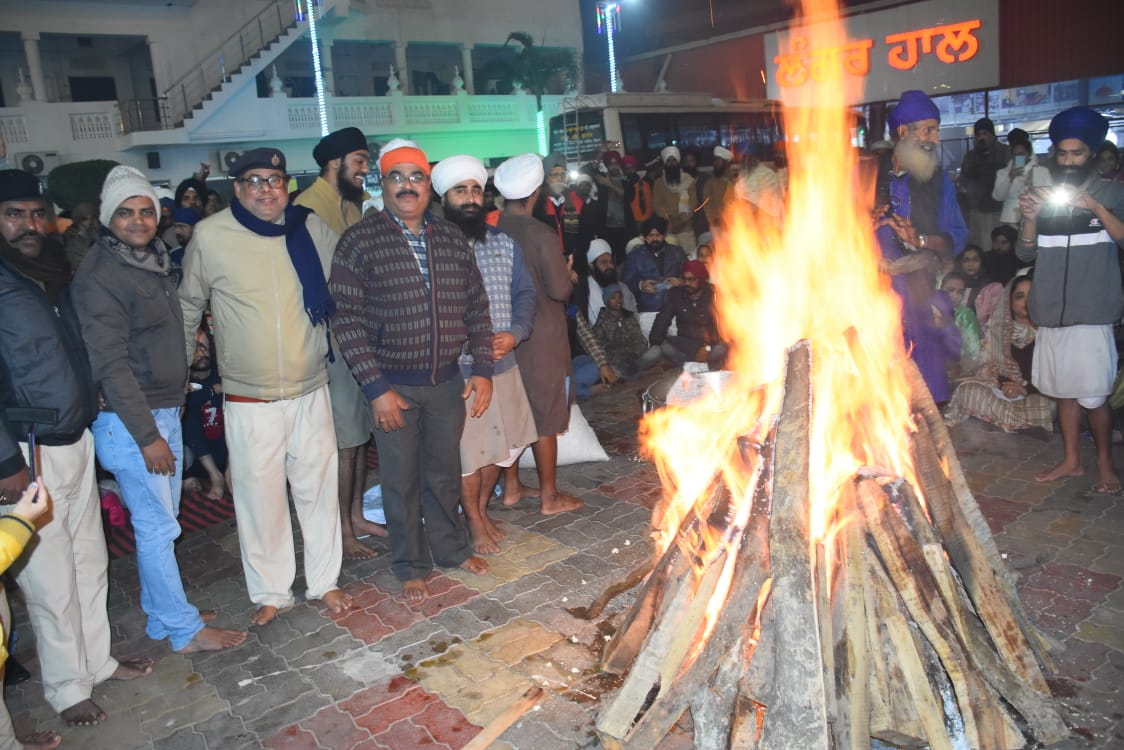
<point x="586" y="375"/>
<point x="153" y="501"/>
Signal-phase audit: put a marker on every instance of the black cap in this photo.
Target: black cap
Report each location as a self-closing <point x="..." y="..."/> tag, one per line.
<point x="1018" y="135"/>
<point x="339" y="144"/>
<point x="17" y="185"/>
<point x="984" y="124"/>
<point x="259" y="158"/>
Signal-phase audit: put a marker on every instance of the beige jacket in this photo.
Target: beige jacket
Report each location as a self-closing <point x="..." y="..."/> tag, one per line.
<point x="326" y="203"/>
<point x="265" y="344"/>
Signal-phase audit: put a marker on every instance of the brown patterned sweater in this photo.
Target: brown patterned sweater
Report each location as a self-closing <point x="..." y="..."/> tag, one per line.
<point x="391" y="329"/>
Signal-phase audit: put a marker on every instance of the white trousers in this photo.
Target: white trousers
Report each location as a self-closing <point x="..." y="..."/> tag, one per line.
<point x="269" y="443"/>
<point x="64" y="577"/>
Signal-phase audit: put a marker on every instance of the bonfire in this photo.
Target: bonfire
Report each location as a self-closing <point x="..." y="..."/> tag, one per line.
<point x="822" y="574"/>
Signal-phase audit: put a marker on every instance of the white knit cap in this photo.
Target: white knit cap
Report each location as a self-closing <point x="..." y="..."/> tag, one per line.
<point x="597" y="248"/>
<point x="519" y="176"/>
<point x="668" y="152"/>
<point x="721" y="152"/>
<point x="121" y="184"/>
<point x="455" y="169"/>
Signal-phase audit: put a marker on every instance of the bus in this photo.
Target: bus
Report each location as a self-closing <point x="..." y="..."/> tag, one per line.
<point x="643" y="124"/>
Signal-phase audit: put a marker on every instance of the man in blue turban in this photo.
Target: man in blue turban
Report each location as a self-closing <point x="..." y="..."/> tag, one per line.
<point x="919" y="225"/>
<point x="1073" y="231"/>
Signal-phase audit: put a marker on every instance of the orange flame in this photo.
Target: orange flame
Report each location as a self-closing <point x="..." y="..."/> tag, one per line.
<point x="812" y="275"/>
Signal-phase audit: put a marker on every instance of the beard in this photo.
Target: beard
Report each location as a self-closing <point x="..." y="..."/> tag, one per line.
<point x="656" y="246"/>
<point x="470" y="218"/>
<point x="201" y="366"/>
<point x="1072" y="175"/>
<point x="672" y="174"/>
<point x="349" y="191"/>
<point x="720" y="168"/>
<point x="603" y="278"/>
<point x="921" y="160"/>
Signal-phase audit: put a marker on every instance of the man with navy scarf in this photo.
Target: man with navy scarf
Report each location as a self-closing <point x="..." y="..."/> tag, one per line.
<point x="262" y="265"/>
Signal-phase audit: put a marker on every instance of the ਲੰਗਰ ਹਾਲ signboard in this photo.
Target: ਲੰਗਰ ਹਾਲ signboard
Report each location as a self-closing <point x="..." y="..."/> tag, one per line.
<point x="938" y="46"/>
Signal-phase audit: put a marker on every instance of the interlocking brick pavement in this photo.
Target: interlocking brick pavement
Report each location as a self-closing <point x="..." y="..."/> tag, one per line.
<point x="388" y="674"/>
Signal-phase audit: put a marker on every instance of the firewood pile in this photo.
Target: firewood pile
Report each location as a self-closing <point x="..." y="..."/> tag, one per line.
<point x="902" y="626"/>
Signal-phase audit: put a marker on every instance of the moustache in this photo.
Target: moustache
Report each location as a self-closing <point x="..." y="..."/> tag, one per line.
<point x="407" y="191"/>
<point x="29" y="235"/>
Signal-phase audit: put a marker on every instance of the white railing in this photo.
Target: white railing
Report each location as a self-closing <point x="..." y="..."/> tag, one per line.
<point x="389" y="114"/>
<point x="14" y="129"/>
<point x="94" y="126"/>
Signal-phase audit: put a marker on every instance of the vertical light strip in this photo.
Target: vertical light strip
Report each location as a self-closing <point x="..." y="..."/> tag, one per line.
<point x="610" y="30"/>
<point x="540" y="121"/>
<point x="321" y="104"/>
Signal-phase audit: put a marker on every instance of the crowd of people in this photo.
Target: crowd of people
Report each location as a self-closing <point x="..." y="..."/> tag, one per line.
<point x="257" y="348"/>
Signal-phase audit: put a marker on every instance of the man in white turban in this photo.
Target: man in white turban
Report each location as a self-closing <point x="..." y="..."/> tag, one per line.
<point x="544" y="358"/>
<point x="673" y="198"/>
<point x="717" y="188"/>
<point x="495" y="440"/>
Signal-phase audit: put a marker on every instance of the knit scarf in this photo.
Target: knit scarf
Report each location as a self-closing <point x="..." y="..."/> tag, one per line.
<point x="318" y="302"/>
<point x="154" y="258"/>
<point x="50" y="269"/>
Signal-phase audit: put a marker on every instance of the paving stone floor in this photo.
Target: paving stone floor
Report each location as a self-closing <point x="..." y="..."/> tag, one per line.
<point x="392" y="675"/>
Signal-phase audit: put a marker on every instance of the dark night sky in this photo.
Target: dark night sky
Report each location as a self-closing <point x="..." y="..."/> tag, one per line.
<point x="651" y="24"/>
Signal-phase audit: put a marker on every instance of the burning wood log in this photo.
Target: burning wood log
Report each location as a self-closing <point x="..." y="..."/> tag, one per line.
<point x="898" y="626"/>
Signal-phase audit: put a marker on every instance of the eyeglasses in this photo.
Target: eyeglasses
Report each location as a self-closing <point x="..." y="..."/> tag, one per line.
<point x="416" y="178"/>
<point x="257" y="184"/>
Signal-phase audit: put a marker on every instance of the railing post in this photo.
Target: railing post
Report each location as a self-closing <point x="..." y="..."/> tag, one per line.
<point x="183" y="93"/>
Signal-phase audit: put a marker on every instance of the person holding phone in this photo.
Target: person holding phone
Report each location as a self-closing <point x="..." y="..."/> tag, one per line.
<point x="1011" y="181"/>
<point x="1073" y="231"/>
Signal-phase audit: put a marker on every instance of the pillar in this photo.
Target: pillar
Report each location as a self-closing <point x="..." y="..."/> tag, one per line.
<point x="401" y="66"/>
<point x="328" y="66"/>
<point x="34" y="64"/>
<point x="466" y="69"/>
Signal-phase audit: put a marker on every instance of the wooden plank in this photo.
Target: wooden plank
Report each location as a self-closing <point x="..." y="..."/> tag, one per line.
<point x="852" y="655"/>
<point x="499" y="725"/>
<point x="967" y="554"/>
<point x="924" y="407"/>
<point x="750" y="574"/>
<point x="797" y="711"/>
<point x="893" y="644"/>
<point x="987" y="724"/>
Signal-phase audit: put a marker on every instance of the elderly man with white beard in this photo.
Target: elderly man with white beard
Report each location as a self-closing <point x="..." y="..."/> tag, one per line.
<point x="918" y="216"/>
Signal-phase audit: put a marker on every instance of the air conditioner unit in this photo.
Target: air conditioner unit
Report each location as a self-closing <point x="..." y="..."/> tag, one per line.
<point x="39" y="163"/>
<point x="229" y="157"/>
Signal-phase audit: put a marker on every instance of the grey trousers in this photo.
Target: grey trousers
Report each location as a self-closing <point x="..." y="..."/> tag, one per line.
<point x="420" y="472"/>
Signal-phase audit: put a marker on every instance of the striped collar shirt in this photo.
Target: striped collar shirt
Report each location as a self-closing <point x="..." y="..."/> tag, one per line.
<point x="416" y="242"/>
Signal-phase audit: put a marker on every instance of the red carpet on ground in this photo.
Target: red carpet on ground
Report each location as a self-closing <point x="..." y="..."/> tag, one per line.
<point x="197" y="512"/>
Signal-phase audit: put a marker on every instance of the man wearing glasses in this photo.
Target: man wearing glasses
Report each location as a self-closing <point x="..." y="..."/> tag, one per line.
<point x="410" y="296"/>
<point x="262" y="268"/>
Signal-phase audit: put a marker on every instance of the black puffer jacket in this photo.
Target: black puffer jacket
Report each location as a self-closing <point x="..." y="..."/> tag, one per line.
<point x="43" y="365"/>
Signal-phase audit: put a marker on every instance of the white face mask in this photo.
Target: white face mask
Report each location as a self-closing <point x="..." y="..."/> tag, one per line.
<point x="556" y="188"/>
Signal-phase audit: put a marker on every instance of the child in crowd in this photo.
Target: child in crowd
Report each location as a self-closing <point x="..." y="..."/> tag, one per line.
<point x="954" y="285"/>
<point x="1001" y="393"/>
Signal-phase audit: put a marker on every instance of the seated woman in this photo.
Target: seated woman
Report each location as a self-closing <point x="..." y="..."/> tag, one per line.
<point x="1001" y="393"/>
<point x="970" y="265"/>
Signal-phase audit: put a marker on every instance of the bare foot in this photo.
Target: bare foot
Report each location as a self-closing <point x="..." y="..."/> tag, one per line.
<point x="353" y="549"/>
<point x="192" y="484"/>
<point x="482" y="540"/>
<point x="475" y="565"/>
<point x="336" y="600"/>
<point x="494" y="529"/>
<point x="216" y="491"/>
<point x="41" y="740"/>
<point x="84" y="714"/>
<point x="559" y="503"/>
<point x="363" y="527"/>
<point x="1060" y="471"/>
<point x="266" y="612"/>
<point x="512" y="494"/>
<point x="208" y="615"/>
<point x="213" y="639"/>
<point x="131" y="669"/>
<point x="415" y="591"/>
